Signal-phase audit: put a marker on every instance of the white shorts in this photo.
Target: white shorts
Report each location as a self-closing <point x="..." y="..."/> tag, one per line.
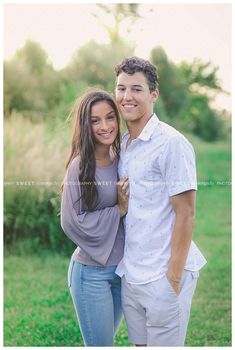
<point x="155" y="315"/>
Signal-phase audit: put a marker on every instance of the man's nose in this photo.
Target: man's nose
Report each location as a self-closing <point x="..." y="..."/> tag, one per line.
<point x="127" y="95"/>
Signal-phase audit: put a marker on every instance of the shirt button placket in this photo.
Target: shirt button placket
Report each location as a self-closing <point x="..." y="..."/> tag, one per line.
<point x="126" y="163"/>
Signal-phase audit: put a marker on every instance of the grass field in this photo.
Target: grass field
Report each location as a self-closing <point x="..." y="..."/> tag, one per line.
<point x="37" y="306"/>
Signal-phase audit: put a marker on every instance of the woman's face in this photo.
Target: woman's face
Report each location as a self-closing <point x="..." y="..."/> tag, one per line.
<point x="104" y="123"/>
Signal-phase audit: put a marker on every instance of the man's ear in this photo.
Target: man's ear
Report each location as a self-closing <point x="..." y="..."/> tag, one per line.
<point x="155" y="95"/>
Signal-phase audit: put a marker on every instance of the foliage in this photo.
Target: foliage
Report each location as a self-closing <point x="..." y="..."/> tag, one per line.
<point x="19" y="86"/>
<point x="187" y="91"/>
<point x="172" y="87"/>
<point x="34" y="88"/>
<point x="30" y="82"/>
<point x="89" y="66"/>
<point x="201" y="119"/>
<point x="93" y="64"/>
<point x="34" y="56"/>
<point x="35" y="156"/>
<point x="120" y="14"/>
<point x="200" y="73"/>
<point x="159" y="109"/>
<point x="33" y="214"/>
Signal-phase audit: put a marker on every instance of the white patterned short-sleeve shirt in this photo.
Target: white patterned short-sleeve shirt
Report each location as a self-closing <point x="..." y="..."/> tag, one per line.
<point x="159" y="163"/>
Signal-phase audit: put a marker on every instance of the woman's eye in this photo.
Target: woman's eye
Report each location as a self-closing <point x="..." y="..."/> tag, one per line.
<point x="111" y="117"/>
<point x="94" y="121"/>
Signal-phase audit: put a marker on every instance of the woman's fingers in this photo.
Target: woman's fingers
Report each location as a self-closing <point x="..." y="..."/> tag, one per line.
<point x="123" y="184"/>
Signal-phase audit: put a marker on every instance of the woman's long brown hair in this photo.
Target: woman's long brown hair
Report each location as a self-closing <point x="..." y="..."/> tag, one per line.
<point x="84" y="146"/>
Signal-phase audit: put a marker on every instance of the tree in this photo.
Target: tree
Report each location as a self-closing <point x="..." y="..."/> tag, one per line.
<point x="172" y="86"/>
<point x="187" y="91"/>
<point x="122" y="15"/>
<point x="203" y="85"/>
<point x="93" y="64"/>
<point x="31" y="85"/>
<point x="33" y="55"/>
<point x="21" y="91"/>
<point x="200" y="119"/>
<point x="200" y="74"/>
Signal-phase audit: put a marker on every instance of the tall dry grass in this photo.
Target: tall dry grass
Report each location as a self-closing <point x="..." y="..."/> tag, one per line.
<point x="34" y="165"/>
<point x="35" y="151"/>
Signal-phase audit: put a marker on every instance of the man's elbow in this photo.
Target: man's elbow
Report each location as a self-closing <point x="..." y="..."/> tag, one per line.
<point x="188" y="216"/>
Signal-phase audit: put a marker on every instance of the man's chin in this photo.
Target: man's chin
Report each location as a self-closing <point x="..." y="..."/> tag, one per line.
<point x="128" y="116"/>
<point x="130" y="119"/>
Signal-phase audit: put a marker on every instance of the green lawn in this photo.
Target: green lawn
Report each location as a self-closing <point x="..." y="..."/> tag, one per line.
<point x="37" y="306"/>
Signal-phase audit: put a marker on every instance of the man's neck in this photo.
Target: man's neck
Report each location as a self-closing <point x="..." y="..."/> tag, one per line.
<point x="135" y="127"/>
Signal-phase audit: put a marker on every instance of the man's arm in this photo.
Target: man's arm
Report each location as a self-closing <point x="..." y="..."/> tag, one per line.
<point x="184" y="207"/>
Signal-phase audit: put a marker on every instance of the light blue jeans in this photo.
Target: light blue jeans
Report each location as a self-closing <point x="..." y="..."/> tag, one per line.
<point x="96" y="295"/>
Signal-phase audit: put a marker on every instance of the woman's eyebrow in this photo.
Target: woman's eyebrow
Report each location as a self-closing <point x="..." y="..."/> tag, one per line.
<point x="112" y="111"/>
<point x="94" y="116"/>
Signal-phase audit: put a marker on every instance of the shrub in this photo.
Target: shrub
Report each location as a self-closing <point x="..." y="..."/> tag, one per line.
<point x="32" y="214"/>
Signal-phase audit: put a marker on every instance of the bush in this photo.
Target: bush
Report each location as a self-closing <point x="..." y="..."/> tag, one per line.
<point x="32" y="215"/>
<point x="201" y="120"/>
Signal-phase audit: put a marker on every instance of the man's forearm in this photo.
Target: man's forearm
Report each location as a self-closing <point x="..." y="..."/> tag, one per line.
<point x="180" y="243"/>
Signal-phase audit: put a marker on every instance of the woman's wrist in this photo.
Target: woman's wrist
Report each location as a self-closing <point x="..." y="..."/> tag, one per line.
<point x="121" y="210"/>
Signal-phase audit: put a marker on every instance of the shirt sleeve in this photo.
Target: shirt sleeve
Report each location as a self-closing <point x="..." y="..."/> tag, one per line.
<point x="94" y="232"/>
<point x="178" y="167"/>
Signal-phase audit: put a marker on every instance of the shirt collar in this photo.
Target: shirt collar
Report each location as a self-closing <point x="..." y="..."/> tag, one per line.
<point x="149" y="128"/>
<point x="147" y="131"/>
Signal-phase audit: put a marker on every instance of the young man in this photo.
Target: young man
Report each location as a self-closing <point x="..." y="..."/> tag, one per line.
<point x="160" y="266"/>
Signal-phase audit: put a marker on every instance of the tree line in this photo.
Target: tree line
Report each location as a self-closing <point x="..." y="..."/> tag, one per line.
<point x="34" y="88"/>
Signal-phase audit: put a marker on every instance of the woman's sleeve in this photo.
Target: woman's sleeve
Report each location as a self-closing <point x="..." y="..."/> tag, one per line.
<point x="95" y="232"/>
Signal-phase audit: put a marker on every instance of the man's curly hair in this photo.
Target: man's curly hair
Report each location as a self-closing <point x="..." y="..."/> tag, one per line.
<point x="135" y="64"/>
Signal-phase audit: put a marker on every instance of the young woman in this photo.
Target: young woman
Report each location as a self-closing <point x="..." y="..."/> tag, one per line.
<point x="93" y="203"/>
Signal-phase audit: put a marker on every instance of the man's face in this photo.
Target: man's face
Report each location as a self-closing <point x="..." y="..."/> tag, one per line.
<point x="134" y="99"/>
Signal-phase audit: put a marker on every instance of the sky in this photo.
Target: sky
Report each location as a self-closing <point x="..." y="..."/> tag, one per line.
<point x="184" y="30"/>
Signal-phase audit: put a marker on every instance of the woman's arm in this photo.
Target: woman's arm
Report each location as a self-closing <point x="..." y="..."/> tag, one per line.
<point x="95" y="232"/>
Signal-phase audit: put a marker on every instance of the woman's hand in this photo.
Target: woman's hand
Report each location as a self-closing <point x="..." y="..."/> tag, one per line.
<point x="123" y="195"/>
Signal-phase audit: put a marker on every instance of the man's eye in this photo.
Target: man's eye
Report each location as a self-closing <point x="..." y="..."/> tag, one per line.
<point x="137" y="89"/>
<point x="120" y="89"/>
